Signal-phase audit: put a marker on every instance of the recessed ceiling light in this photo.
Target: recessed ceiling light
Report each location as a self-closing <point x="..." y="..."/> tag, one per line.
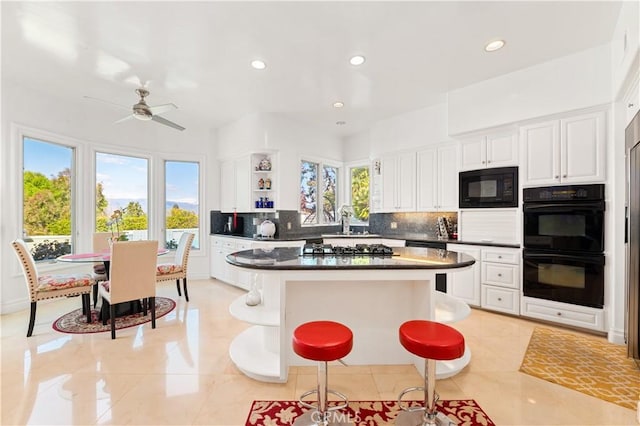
<point x="357" y="60"/>
<point x="494" y="45"/>
<point x="341" y="123"/>
<point x="258" y="64"/>
<point x="338" y="104"/>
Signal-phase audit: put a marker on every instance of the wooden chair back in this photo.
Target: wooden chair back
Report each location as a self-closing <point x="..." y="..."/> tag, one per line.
<point x="28" y="266"/>
<point x="101" y="241"/>
<point x="184" y="247"/>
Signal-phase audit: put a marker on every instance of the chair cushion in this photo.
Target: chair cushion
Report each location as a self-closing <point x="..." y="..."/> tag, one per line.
<point x="62" y="281"/>
<point x="99" y="269"/>
<point x="168" y="268"/>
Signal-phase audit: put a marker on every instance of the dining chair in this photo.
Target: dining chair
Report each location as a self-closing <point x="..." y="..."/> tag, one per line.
<point x="42" y="287"/>
<point x="100" y="244"/>
<point x="132" y="277"/>
<point x="177" y="270"/>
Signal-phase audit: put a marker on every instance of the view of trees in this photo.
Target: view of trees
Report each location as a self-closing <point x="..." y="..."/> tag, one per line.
<point x="309" y="192"/>
<point x="360" y="193"/>
<point x="47" y="208"/>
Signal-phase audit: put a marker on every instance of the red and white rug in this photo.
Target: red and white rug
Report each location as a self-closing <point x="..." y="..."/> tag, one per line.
<point x="364" y="413"/>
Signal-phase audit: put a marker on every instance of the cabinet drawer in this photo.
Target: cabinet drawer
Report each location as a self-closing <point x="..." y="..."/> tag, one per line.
<point x="501" y="275"/>
<point x="501" y="256"/>
<point x="577" y="316"/>
<point x="500" y="299"/>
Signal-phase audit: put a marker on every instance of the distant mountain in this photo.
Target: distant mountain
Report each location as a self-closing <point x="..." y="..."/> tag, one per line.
<point x="117" y="203"/>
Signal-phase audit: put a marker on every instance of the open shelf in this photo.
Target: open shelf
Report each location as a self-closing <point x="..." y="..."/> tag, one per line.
<point x="259" y="314"/>
<point x="249" y="354"/>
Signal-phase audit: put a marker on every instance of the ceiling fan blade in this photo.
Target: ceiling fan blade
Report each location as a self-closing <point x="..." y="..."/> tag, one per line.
<point x="166" y="122"/>
<point x="128" y="117"/>
<point x="159" y="109"/>
<point x="108" y="103"/>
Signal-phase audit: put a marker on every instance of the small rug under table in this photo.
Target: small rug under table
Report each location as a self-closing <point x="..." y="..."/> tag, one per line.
<point x="75" y="322"/>
<point x="585" y="363"/>
<point x="364" y="413"/>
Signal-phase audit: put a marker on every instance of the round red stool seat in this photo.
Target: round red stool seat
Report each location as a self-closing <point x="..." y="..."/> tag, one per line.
<point x="431" y="340"/>
<point x="322" y="340"/>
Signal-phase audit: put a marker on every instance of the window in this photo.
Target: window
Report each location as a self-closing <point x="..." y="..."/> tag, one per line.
<point x="182" y="202"/>
<point x="47" y="204"/>
<point x="312" y="192"/>
<point x="122" y="195"/>
<point x="359" y="184"/>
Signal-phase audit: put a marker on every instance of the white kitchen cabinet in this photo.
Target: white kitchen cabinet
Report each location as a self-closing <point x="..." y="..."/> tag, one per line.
<point x="221" y="246"/>
<point x="563" y="313"/>
<point x="631" y="100"/>
<point x="494" y="150"/>
<point x="569" y="150"/>
<point x="398" y="176"/>
<point x="235" y="187"/>
<point x="465" y="284"/>
<point x="500" y="279"/>
<point x="437" y="187"/>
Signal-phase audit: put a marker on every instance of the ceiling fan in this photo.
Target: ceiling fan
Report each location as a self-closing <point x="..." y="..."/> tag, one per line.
<point x="144" y="112"/>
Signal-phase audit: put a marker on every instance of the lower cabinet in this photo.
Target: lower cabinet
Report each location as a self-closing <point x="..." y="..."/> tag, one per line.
<point x="221" y="246"/>
<point x="465" y="284"/>
<point x="563" y="313"/>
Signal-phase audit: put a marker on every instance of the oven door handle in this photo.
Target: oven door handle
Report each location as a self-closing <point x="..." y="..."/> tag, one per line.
<point x="597" y="205"/>
<point x="594" y="259"/>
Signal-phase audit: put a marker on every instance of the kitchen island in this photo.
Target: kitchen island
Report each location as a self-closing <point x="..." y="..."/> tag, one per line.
<point x="371" y="294"/>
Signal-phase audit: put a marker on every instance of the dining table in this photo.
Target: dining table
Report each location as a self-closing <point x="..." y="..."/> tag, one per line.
<point x="105" y="258"/>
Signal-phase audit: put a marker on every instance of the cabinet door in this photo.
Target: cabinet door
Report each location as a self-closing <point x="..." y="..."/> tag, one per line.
<point x="218" y="264"/>
<point x="243" y="184"/>
<point x="447" y="180"/>
<point x="427" y="180"/>
<point x="388" y="170"/>
<point x="465" y="284"/>
<point x="473" y="154"/>
<point x="540" y="164"/>
<point x="406" y="189"/>
<point x="227" y="186"/>
<point x="502" y="150"/>
<point x="582" y="148"/>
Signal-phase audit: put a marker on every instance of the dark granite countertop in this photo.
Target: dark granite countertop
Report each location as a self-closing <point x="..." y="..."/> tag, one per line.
<point x="421" y="238"/>
<point x="288" y="258"/>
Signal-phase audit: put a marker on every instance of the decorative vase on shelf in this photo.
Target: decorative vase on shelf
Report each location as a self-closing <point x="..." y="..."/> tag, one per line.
<point x="254" y="297"/>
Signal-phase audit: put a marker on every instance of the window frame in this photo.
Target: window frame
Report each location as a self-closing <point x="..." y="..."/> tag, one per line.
<point x="322" y="162"/>
<point x="348" y="186"/>
<point x="200" y="160"/>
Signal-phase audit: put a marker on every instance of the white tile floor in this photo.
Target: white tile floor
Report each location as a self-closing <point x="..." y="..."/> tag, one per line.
<point x="180" y="373"/>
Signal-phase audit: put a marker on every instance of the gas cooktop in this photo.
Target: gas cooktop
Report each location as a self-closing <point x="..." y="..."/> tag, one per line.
<point x="318" y="249"/>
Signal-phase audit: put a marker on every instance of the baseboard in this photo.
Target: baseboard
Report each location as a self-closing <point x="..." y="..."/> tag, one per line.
<point x="616" y="337"/>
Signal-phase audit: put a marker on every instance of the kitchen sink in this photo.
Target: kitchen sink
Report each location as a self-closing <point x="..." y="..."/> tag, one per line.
<point x="352" y="235"/>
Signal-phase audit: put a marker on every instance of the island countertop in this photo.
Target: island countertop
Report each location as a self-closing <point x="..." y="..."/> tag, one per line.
<point x="290" y="258"/>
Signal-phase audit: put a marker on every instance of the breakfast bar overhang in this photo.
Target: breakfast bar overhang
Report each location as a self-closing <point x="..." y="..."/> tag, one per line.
<point x="373" y="295"/>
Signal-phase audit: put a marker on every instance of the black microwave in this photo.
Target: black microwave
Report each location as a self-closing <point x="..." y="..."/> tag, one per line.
<point x="486" y="188"/>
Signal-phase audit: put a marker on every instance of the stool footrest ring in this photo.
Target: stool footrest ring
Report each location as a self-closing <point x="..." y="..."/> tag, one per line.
<point x="413" y="389"/>
<point x="341" y="406"/>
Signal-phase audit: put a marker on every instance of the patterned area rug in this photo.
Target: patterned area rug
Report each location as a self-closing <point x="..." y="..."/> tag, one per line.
<point x="76" y="322"/>
<point x="587" y="364"/>
<point x="364" y="413"/>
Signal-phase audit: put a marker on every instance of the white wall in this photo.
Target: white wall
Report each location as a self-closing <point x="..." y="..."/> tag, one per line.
<point x="569" y="83"/>
<point x="292" y="140"/>
<point x="91" y="126"/>
<point x="625" y="60"/>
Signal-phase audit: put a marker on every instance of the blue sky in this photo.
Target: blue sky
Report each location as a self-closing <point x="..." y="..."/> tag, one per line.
<point x="123" y="177"/>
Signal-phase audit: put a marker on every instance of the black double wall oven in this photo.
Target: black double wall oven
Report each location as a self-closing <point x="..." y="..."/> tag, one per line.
<point x="563" y="256"/>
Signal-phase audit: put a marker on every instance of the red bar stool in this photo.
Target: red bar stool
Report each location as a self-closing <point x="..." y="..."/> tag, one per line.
<point x="321" y="341"/>
<point x="433" y="342"/>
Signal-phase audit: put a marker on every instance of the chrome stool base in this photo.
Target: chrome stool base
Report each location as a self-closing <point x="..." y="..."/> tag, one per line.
<point x="313" y="417"/>
<point x="418" y="418"/>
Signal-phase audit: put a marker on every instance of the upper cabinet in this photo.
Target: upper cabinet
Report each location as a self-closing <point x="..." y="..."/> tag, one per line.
<point x="569" y="150"/>
<point x="494" y="150"/>
<point x="437" y="179"/>
<point x="398" y="182"/>
<point x="234" y="185"/>
<point x="248" y="183"/>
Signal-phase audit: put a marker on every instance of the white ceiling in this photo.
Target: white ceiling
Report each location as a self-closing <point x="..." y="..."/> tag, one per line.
<point x="197" y="54"/>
